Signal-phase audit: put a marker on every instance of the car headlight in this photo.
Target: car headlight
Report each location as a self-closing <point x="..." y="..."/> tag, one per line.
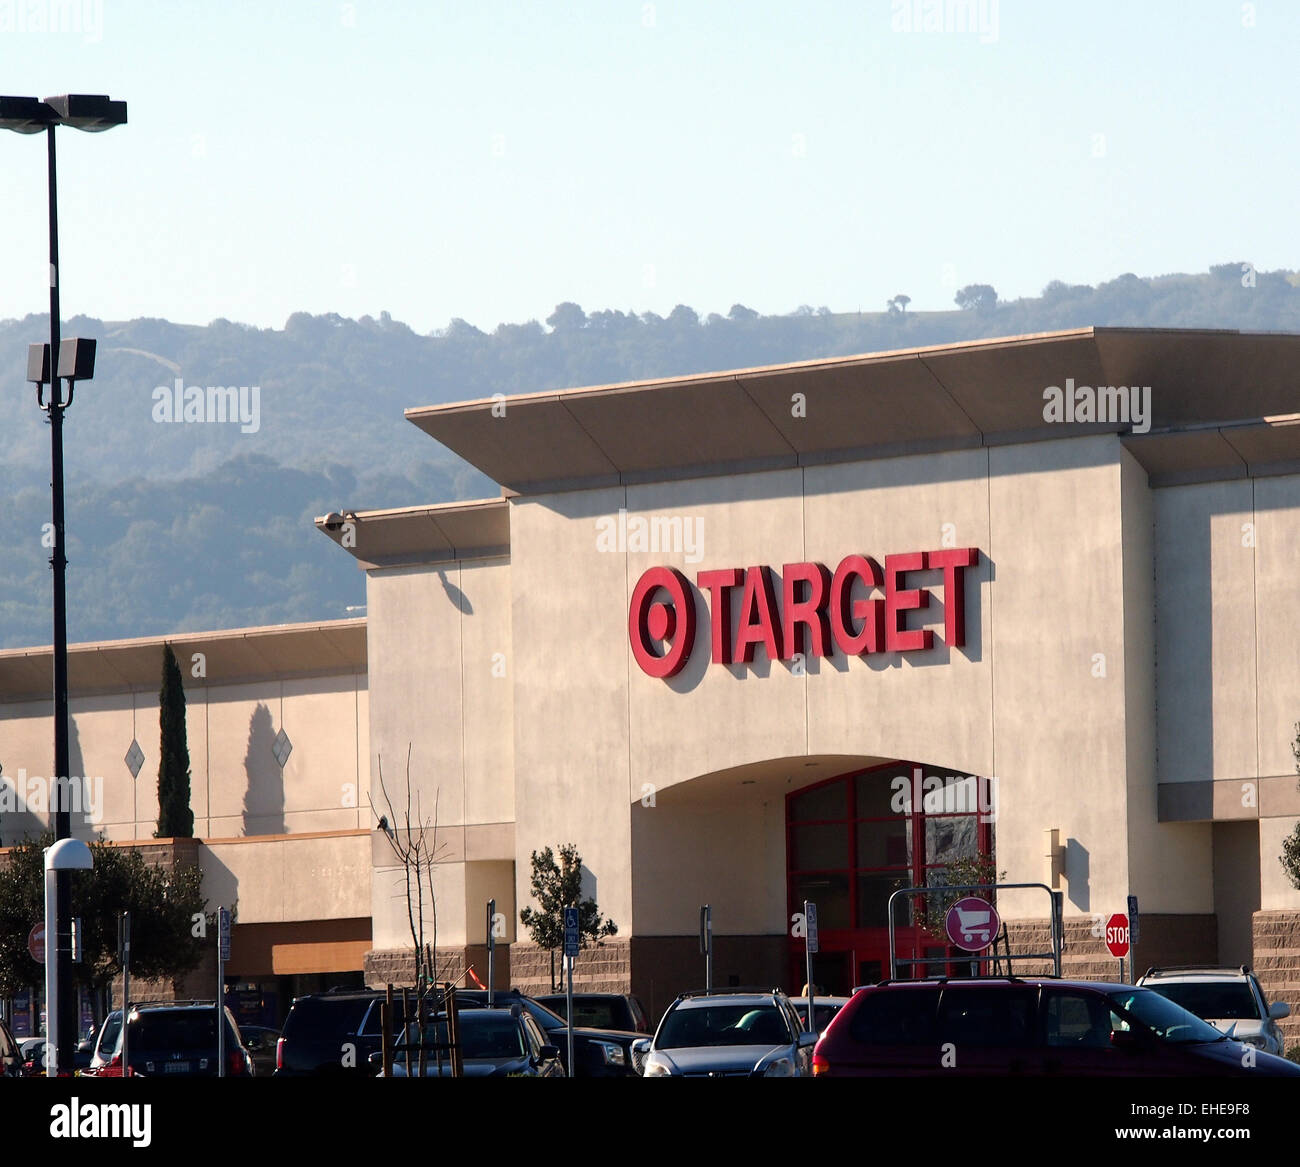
<point x="1258" y="1040"/>
<point x="612" y="1053"/>
<point x="655" y="1069"/>
<point x="781" y="1068"/>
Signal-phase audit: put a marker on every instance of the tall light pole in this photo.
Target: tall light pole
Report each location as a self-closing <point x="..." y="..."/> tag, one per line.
<point x="28" y="115"/>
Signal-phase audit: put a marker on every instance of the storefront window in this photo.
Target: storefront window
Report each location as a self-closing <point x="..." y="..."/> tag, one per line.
<point x="821" y="802"/>
<point x="830" y="892"/>
<point x="816" y="846"/>
<point x="854" y="841"/>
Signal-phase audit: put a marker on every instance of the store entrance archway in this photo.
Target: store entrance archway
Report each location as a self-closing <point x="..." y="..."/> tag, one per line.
<point x="854" y="839"/>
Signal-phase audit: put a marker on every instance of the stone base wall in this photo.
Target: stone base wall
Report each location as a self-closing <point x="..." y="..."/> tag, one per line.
<point x="1165" y="940"/>
<point x="396" y="966"/>
<point x="602" y="968"/>
<point x="1277" y="964"/>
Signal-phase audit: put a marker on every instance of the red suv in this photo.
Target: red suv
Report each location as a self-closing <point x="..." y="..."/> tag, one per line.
<point x="1032" y="1025"/>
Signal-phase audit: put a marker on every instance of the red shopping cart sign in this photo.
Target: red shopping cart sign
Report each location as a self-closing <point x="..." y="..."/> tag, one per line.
<point x="972" y="923"/>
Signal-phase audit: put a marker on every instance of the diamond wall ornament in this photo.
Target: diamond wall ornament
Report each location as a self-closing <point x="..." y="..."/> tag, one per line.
<point x="282" y="748"/>
<point x="134" y="758"/>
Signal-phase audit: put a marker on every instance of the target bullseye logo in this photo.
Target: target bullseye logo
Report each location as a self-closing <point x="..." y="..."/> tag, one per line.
<point x="652" y="619"/>
<point x="819" y="612"/>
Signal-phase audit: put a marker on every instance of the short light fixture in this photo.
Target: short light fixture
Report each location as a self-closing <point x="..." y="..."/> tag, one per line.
<point x="1055" y="858"/>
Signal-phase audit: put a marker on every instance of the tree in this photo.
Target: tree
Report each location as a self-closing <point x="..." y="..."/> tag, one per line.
<point x="977" y="297"/>
<point x="931" y="911"/>
<point x="175" y="818"/>
<point x="414" y="842"/>
<point x="1290" y="858"/>
<point x="567" y="317"/>
<point x="899" y="303"/>
<point x="164" y="907"/>
<point x="556" y="886"/>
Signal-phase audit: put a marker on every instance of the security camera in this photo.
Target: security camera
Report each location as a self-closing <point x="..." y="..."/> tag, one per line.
<point x="333" y="521"/>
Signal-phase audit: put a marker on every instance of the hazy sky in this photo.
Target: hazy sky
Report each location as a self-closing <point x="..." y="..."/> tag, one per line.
<point x="488" y="160"/>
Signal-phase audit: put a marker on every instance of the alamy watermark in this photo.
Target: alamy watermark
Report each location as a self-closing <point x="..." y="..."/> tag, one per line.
<point x="660" y="534"/>
<point x="215" y="403"/>
<point x="1113" y="404"/>
<point x="32" y="794"/>
<point x="945" y="794"/>
<point x="84" y="18"/>
<point x="952" y="16"/>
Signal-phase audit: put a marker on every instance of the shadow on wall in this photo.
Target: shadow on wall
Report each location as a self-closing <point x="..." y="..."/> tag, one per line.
<point x="455" y="595"/>
<point x="1078" y="870"/>
<point x="264" y="794"/>
<point x="84" y="792"/>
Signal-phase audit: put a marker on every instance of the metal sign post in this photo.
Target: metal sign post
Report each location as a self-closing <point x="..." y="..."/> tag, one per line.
<point x="706" y="945"/>
<point x="1133" y="933"/>
<point x="492" y="950"/>
<point x="223" y="955"/>
<point x="571" y="941"/>
<point x="810" y="947"/>
<point x="124" y="955"/>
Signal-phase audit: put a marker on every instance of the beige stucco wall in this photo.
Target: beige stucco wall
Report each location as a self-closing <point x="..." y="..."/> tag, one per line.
<point x="1046" y="616"/>
<point x="1205" y="632"/>
<point x="1228" y="628"/>
<point x="570" y="664"/>
<point x="693" y="846"/>
<point x="1277" y="609"/>
<point x="288" y="879"/>
<point x="442" y="686"/>
<point x="1275" y="891"/>
<point x="236" y="786"/>
<point x="1171" y="866"/>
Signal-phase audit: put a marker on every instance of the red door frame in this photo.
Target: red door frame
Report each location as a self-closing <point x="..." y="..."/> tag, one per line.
<point x="872" y="944"/>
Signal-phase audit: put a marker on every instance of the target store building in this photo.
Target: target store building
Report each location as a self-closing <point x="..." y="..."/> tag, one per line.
<point x="824" y="630"/>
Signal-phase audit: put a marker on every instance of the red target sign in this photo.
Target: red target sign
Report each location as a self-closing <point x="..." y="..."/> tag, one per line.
<point x="652" y="619"/>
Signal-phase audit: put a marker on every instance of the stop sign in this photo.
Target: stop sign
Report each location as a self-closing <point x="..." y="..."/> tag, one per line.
<point x="36" y="943"/>
<point x="1117" y="935"/>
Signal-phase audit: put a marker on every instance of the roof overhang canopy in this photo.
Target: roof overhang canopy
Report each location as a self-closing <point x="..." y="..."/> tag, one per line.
<point x="241" y="654"/>
<point x="448" y="531"/>
<point x="1222" y="403"/>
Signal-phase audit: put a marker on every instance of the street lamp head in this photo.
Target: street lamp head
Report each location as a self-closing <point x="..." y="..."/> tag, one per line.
<point x="68" y="855"/>
<point x="92" y="112"/>
<point x="87" y="111"/>
<point x="25" y="115"/>
<point x="76" y="359"/>
<point x="38" y="363"/>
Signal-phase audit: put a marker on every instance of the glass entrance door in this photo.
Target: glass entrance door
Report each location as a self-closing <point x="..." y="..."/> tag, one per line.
<point x="852" y="841"/>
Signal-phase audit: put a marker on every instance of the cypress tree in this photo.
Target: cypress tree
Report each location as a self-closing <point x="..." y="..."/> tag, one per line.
<point x="175" y="818"/>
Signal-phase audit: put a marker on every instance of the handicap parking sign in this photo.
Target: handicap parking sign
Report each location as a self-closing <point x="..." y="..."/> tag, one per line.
<point x="571" y="932"/>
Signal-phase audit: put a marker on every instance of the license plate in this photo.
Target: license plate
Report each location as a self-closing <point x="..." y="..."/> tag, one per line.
<point x="177" y="1068"/>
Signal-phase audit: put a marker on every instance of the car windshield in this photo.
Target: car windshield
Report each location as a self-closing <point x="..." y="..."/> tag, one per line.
<point x="1222" y="1000"/>
<point x="822" y="1015"/>
<point x="705" y="1025"/>
<point x="1169" y="1022"/>
<point x="112" y="1027"/>
<point x="543" y="1016"/>
<point x="482" y="1035"/>
<point x="194" y="1029"/>
<point x="592" y="1012"/>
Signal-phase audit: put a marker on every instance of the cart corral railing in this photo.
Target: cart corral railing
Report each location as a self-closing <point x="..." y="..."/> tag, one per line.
<point x="989" y="954"/>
